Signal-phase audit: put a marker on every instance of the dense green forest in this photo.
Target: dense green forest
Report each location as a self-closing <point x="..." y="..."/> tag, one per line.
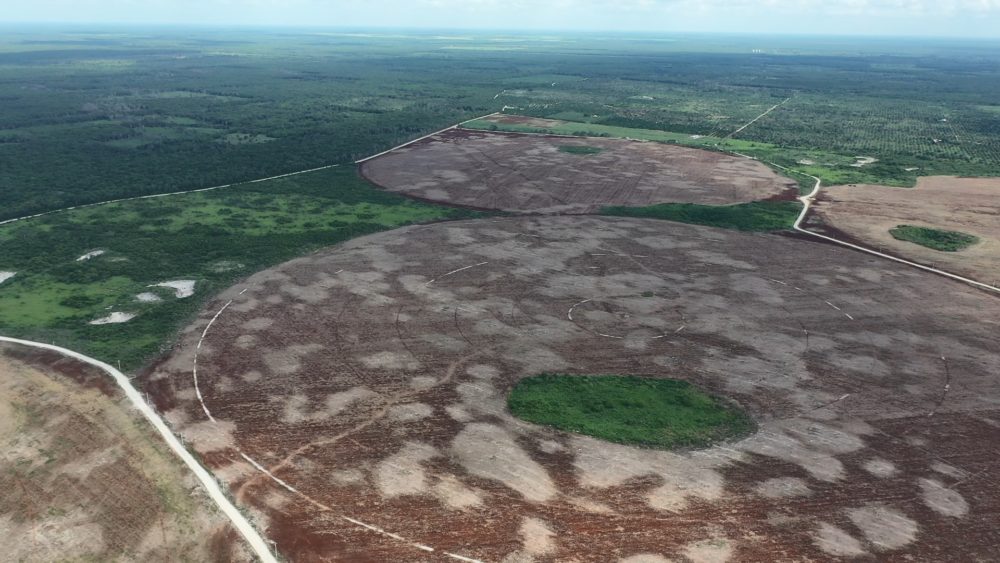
<point x="88" y="115"/>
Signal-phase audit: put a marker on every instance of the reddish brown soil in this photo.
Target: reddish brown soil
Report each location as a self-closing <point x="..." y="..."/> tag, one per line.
<point x="528" y="173"/>
<point x="371" y="378"/>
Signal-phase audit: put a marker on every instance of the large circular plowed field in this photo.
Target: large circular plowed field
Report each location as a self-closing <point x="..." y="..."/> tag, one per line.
<point x="357" y="397"/>
<point x="531" y="173"/>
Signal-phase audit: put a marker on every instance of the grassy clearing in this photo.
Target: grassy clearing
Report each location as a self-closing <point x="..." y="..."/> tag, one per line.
<point x="754" y="216"/>
<point x="581" y="150"/>
<point x="213" y="238"/>
<point x="937" y="239"/>
<point x="660" y="413"/>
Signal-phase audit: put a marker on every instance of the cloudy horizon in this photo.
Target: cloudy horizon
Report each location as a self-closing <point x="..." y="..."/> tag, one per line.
<point x="944" y="18"/>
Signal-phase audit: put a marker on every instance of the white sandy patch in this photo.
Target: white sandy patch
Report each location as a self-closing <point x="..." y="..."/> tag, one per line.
<point x="182" y="288"/>
<point x="863" y="161"/>
<point x="402" y="473"/>
<point x="391" y="360"/>
<point x="89" y="255"/>
<point x="715" y="550"/>
<point x="645" y="558"/>
<point x="537" y="537"/>
<point x="490" y="452"/>
<point x="948" y="470"/>
<point x="602" y="465"/>
<point x="454" y="494"/>
<point x="885" y="527"/>
<point x="6" y="275"/>
<point x="943" y="500"/>
<point x="782" y="487"/>
<point x="410" y="412"/>
<point x="296" y="407"/>
<point x="113" y="318"/>
<point x="834" y="541"/>
<point x="209" y="436"/>
<point x="347" y="477"/>
<point x="147" y="297"/>
<point x="880" y="467"/>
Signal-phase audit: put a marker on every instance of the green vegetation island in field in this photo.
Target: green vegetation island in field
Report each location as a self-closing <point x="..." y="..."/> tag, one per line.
<point x="581" y="150"/>
<point x="658" y="413"/>
<point x="937" y="239"/>
<point x="754" y="216"/>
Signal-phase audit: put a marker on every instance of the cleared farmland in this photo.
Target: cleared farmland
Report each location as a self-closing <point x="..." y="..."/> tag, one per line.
<point x="532" y="173"/>
<point x="84" y="479"/>
<point x="969" y="205"/>
<point x="371" y="380"/>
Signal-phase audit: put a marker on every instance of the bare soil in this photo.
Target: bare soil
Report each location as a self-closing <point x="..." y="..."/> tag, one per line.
<point x="528" y="173"/>
<point x="374" y="389"/>
<point x="84" y="480"/>
<point x="969" y="205"/>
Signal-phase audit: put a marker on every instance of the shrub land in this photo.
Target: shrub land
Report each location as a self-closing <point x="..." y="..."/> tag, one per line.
<point x="660" y="413"/>
<point x="754" y="216"/>
<point x="946" y="241"/>
<point x="212" y="238"/>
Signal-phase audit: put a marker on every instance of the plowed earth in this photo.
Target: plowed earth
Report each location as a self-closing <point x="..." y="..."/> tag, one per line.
<point x="970" y="205"/>
<point x="515" y="172"/>
<point x="83" y="479"/>
<point x="370" y="378"/>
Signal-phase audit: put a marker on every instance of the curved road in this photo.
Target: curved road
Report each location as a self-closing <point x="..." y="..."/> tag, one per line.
<point x="256" y="541"/>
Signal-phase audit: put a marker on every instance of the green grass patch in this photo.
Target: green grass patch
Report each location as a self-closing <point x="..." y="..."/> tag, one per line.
<point x="213" y="238"/>
<point x="753" y="216"/>
<point x="937" y="239"/>
<point x="659" y="413"/>
<point x="581" y="150"/>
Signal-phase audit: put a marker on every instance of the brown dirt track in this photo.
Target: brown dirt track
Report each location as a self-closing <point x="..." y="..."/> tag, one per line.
<point x="970" y="205"/>
<point x="83" y="479"/>
<point x="515" y="172"/>
<point x="371" y="378"/>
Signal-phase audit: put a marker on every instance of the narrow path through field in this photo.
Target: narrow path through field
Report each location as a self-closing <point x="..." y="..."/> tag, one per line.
<point x="240" y="522"/>
<point x="752" y="121"/>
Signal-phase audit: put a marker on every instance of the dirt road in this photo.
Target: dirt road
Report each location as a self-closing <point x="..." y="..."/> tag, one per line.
<point x="256" y="541"/>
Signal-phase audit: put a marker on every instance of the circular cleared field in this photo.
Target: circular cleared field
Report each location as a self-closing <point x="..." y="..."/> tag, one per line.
<point x="637" y="411"/>
<point x="542" y="174"/>
<point x="358" y="397"/>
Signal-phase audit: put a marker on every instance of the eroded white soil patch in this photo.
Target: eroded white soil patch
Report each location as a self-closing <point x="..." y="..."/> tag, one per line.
<point x="113" y="318"/>
<point x="182" y="288"/>
<point x="89" y="255"/>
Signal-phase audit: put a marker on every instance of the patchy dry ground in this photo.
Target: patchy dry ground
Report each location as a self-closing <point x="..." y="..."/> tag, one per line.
<point x="369" y="380"/>
<point x="515" y="172"/>
<point x="969" y="205"/>
<point x="83" y="479"/>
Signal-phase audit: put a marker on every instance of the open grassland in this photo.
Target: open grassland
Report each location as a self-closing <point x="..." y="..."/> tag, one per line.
<point x="753" y="216"/>
<point x="85" y="479"/>
<point x="209" y="238"/>
<point x="659" y="413"/>
<point x="937" y="239"/>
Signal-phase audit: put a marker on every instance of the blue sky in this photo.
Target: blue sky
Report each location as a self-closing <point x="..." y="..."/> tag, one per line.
<point x="954" y="18"/>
